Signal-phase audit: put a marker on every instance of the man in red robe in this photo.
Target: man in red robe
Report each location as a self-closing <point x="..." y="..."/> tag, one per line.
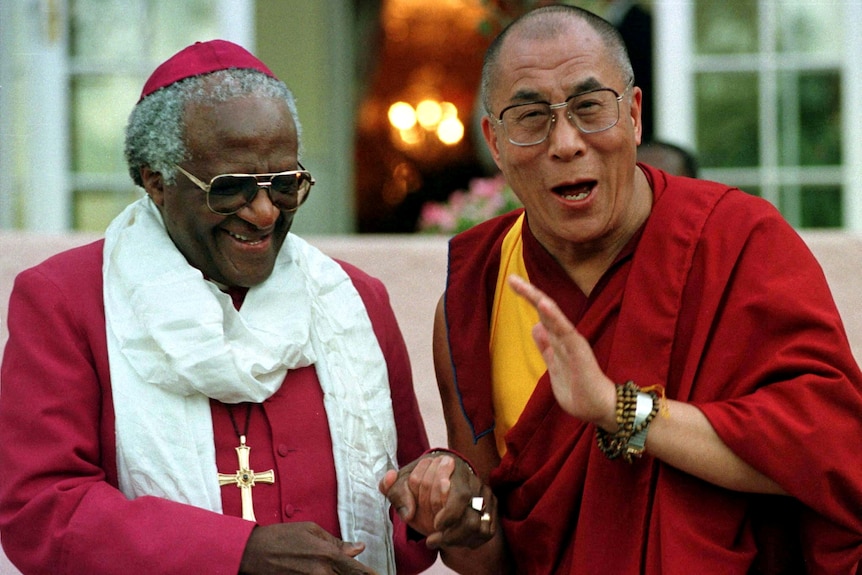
<point x="202" y="391"/>
<point x="654" y="377"/>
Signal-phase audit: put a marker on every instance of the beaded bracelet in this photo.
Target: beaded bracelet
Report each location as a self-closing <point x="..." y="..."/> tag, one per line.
<point x="635" y="410"/>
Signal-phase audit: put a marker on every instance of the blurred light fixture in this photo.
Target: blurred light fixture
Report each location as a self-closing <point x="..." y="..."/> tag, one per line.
<point x="402" y="115"/>
<point x="413" y="126"/>
<point x="450" y="131"/>
<point x="429" y="113"/>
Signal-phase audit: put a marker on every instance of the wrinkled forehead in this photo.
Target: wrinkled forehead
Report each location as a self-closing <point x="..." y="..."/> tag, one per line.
<point x="570" y="56"/>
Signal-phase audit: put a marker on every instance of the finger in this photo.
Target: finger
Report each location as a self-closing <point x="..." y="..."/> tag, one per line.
<point x="458" y="507"/>
<point x="531" y="293"/>
<point x="431" y="478"/>
<point x="350" y="548"/>
<point x="399" y="494"/>
<point x="550" y="314"/>
<point x="388" y="481"/>
<point x="442" y="483"/>
<point x="488" y="521"/>
<point x="465" y="485"/>
<point x="525" y="289"/>
<point x="417" y="475"/>
<point x="450" y="516"/>
<point x="477" y="527"/>
<point x="418" y="513"/>
<point x="434" y="483"/>
<point x="416" y="480"/>
<point x="347" y="565"/>
<point x="474" y="529"/>
<point x="543" y="341"/>
<point x="434" y="540"/>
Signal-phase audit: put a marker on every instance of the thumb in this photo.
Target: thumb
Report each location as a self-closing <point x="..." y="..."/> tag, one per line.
<point x="350" y="548"/>
<point x="388" y="481"/>
<point x="397" y="490"/>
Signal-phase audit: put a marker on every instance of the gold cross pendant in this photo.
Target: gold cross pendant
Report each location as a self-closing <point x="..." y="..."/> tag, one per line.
<point x="245" y="479"/>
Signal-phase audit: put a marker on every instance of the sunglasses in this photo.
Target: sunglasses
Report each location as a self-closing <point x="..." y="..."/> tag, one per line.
<point x="229" y="193"/>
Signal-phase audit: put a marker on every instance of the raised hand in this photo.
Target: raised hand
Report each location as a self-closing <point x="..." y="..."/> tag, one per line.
<point x="580" y="386"/>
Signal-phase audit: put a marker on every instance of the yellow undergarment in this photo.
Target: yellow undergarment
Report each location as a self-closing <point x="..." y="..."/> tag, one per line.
<point x="516" y="364"/>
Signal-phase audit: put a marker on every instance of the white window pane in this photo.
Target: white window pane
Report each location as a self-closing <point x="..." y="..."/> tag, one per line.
<point x="180" y="24"/>
<point x="810" y="27"/>
<point x="106" y="30"/>
<point x="728" y="27"/>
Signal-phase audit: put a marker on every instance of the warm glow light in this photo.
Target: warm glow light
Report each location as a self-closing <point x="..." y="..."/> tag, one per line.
<point x="411" y="137"/>
<point x="450" y="131"/>
<point x="402" y="116"/>
<point x="449" y="110"/>
<point x="429" y="114"/>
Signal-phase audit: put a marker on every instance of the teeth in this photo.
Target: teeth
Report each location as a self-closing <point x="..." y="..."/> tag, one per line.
<point x="579" y="196"/>
<point x="243" y="238"/>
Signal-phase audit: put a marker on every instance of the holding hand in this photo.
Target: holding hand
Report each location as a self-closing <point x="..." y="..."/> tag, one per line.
<point x="439" y="496"/>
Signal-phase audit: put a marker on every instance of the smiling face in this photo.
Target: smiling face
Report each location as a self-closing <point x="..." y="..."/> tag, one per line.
<point x="251" y="135"/>
<point x="580" y="190"/>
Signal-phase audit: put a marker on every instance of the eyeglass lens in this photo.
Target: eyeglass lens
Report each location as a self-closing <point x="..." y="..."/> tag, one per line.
<point x="229" y="193"/>
<point x="591" y="112"/>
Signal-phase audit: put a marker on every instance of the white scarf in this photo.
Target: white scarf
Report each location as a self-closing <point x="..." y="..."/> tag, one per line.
<point x="175" y="340"/>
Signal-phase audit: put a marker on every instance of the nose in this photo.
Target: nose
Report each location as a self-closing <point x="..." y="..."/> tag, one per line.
<point x="566" y="141"/>
<point x="260" y="211"/>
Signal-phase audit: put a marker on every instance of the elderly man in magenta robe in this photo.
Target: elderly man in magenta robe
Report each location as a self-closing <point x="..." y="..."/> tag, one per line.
<point x="202" y="391"/>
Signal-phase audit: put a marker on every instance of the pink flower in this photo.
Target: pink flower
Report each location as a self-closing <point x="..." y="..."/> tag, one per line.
<point x="458" y="200"/>
<point x="485" y="199"/>
<point x="437" y="217"/>
<point x="487" y="187"/>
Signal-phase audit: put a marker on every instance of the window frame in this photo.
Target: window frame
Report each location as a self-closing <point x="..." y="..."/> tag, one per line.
<point x="677" y="65"/>
<point x="35" y="109"/>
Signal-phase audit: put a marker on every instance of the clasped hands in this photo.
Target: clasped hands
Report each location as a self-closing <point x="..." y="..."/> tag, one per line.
<point x="439" y="496"/>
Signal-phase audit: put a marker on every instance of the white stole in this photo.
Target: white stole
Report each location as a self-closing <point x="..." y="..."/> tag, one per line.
<point x="175" y="340"/>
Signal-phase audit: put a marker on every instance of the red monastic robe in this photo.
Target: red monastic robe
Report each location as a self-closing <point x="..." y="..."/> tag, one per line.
<point x="60" y="509"/>
<point x="721" y="302"/>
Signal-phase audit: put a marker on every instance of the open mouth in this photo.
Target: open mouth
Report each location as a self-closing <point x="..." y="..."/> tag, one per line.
<point x="575" y="192"/>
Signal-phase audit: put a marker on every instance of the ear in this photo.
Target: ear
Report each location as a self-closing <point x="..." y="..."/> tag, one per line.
<point x="154" y="185"/>
<point x="491" y="139"/>
<point x="636" y="108"/>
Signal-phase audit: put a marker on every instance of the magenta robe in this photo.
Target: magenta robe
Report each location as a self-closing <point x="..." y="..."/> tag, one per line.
<point x="60" y="509"/>
<point x="718" y="299"/>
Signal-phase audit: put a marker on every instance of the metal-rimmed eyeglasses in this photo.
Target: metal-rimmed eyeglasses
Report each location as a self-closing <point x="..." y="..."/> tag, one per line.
<point x="590" y="112"/>
<point x="229" y="193"/>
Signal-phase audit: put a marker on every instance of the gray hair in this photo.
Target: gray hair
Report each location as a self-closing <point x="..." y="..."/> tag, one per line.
<point x="155" y="134"/>
<point x="547" y="23"/>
